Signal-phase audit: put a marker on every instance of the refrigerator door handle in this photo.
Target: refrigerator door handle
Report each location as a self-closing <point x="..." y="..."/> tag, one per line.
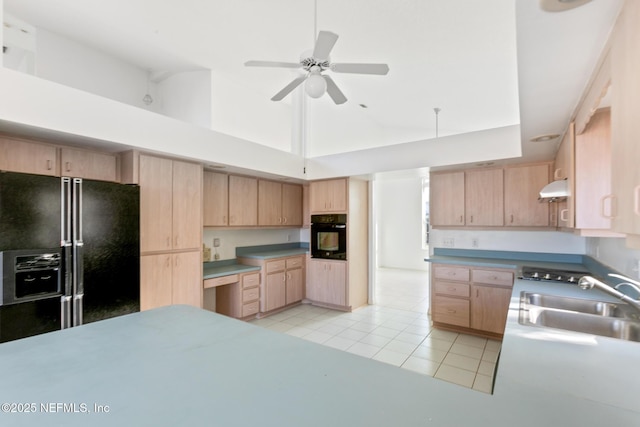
<point x="65" y="217"/>
<point x="78" y="259"/>
<point x="65" y="312"/>
<point x="77" y="309"/>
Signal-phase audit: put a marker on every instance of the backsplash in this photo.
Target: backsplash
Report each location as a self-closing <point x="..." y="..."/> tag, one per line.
<point x="231" y="239"/>
<point x="507" y="240"/>
<point x="613" y="253"/>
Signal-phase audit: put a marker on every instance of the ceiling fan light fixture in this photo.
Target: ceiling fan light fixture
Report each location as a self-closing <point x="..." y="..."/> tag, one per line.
<point x="315" y="85"/>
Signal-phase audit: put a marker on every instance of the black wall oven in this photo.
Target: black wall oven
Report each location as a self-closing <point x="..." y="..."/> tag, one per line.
<point x="329" y="236"/>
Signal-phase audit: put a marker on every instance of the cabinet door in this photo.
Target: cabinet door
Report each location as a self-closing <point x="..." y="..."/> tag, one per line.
<point x="564" y="168"/>
<point x="484" y="197"/>
<point x="275" y="292"/>
<point x="187" y="278"/>
<point x="156" y="203"/>
<point x="243" y="201"/>
<point x="593" y="174"/>
<point x="333" y="288"/>
<point x="328" y="196"/>
<point x="27" y="157"/>
<point x="294" y="285"/>
<point x="522" y="185"/>
<point x="446" y="199"/>
<point x="155" y="281"/>
<point x="489" y="308"/>
<point x="88" y="165"/>
<point x="187" y="205"/>
<point x="625" y="126"/>
<point x="216" y="199"/>
<point x="292" y="204"/>
<point x="269" y="203"/>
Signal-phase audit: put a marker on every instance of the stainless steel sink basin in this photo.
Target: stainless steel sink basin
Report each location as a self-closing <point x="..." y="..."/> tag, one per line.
<point x="614" y="320"/>
<point x="600" y="308"/>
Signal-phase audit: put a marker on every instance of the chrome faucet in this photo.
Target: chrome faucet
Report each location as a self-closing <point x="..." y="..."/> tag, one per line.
<point x="627" y="282"/>
<point x="588" y="282"/>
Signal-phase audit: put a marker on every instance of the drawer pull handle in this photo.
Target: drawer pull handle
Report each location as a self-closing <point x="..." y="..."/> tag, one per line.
<point x="450" y="310"/>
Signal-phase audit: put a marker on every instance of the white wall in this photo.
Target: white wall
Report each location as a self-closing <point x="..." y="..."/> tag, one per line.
<point x="398" y="204"/>
<point x="507" y="240"/>
<point x="613" y="253"/>
<point x="231" y="239"/>
<point x="186" y="96"/>
<point x="73" y="64"/>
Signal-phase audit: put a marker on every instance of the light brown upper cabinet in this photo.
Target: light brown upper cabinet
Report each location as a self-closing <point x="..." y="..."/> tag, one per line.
<point x="625" y="126"/>
<point x="328" y="196"/>
<point x="170" y="204"/>
<point x="279" y="204"/>
<point x="216" y="199"/>
<point x="243" y="201"/>
<point x="484" y="198"/>
<point x="446" y="199"/>
<point x="563" y="168"/>
<point x="522" y="185"/>
<point x="88" y="164"/>
<point x="28" y="157"/>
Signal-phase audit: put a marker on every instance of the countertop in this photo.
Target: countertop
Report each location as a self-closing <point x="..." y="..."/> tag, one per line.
<point x="215" y="269"/>
<point x="269" y="254"/>
<point x="179" y="365"/>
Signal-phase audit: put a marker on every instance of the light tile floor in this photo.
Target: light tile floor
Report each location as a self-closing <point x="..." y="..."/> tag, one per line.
<point x="396" y="330"/>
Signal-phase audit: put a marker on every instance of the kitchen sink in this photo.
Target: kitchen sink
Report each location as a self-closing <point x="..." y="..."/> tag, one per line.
<point x="613" y="320"/>
<point x="600" y="308"/>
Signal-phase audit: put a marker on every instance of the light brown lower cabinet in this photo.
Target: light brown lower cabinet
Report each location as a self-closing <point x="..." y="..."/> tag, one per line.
<point x="238" y="296"/>
<point x="281" y="281"/>
<point x="327" y="282"/>
<point x="174" y="278"/>
<point x="474" y="300"/>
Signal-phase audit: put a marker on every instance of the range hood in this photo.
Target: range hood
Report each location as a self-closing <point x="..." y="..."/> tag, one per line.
<point x="555" y="191"/>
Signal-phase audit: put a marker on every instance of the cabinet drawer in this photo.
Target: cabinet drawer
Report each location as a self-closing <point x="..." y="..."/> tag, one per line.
<point x="452" y="288"/>
<point x="277" y="265"/>
<point x="219" y="281"/>
<point x="294" y="262"/>
<point x="460" y="274"/>
<point x="250" y="294"/>
<point x="250" y="280"/>
<point x="249" y="309"/>
<point x="453" y="311"/>
<point x="500" y="278"/>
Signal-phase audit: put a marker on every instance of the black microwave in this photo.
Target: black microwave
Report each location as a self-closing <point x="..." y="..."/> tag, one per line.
<point x="329" y="236"/>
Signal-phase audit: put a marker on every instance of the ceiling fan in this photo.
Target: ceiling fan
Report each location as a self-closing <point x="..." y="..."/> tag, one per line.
<point x="314" y="63"/>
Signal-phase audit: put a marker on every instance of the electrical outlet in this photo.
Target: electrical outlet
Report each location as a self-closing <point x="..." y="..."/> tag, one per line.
<point x="216" y="242"/>
<point x="475" y="243"/>
<point x="448" y="242"/>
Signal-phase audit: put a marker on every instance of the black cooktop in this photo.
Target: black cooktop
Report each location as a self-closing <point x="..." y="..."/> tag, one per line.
<point x="551" y="275"/>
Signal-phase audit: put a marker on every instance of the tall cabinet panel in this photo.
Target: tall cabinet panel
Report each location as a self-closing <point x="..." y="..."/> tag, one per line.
<point x="171" y="232"/>
<point x="156" y="203"/>
<point x="187" y="195"/>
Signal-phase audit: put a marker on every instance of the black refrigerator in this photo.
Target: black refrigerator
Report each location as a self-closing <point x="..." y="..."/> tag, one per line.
<point x="69" y="252"/>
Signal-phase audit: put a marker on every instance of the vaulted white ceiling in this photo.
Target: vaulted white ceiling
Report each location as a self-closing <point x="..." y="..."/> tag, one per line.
<point x="490" y="64"/>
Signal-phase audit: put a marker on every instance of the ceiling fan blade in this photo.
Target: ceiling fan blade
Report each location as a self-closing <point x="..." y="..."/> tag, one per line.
<point x="272" y="64"/>
<point x="333" y="91"/>
<point x="288" y="88"/>
<point x="324" y="44"/>
<point x="380" y="69"/>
